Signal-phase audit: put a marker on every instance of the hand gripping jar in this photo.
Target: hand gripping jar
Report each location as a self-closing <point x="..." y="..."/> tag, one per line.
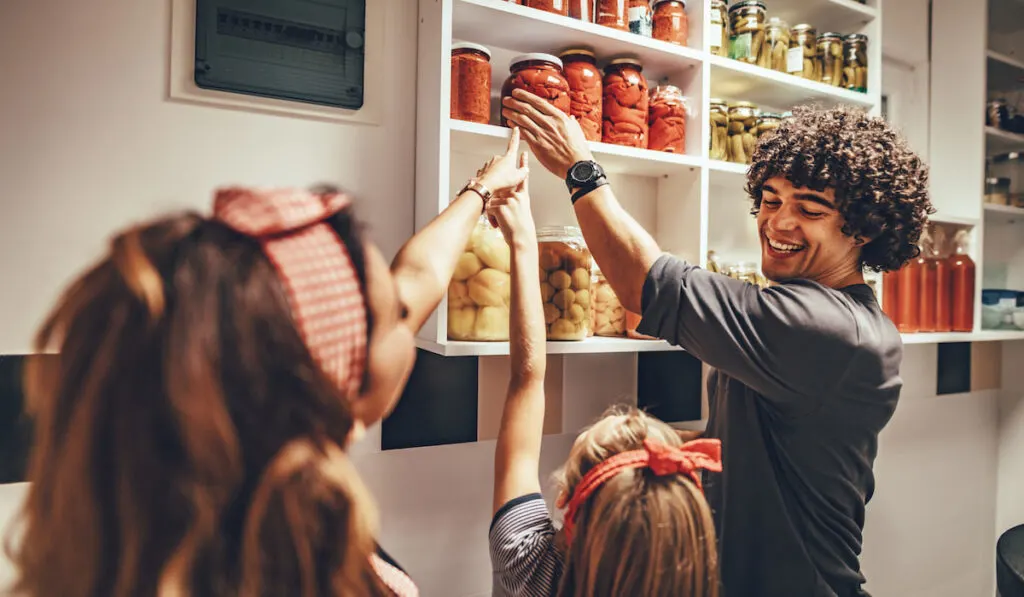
<point x="667" y="119"/>
<point x="626" y="104"/>
<point x="480" y="290"/>
<point x="471" y="83"/>
<point x="607" y="312"/>
<point x="580" y="67"/>
<point x="565" y="282"/>
<point x="670" y="22"/>
<point x="541" y="75"/>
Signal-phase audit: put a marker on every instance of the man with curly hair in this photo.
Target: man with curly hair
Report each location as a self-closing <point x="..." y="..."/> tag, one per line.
<point x="806" y="372"/>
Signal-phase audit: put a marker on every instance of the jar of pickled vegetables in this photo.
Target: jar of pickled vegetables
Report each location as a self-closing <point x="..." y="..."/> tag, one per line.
<point x="776" y="45"/>
<point x="768" y="122"/>
<point x="742" y="132"/>
<point x="541" y="75"/>
<point x="719" y="29"/>
<point x="640" y="17"/>
<point x="613" y="13"/>
<point x="478" y="295"/>
<point x="584" y="90"/>
<point x="626" y="104"/>
<point x="667" y="120"/>
<point x="670" y="21"/>
<point x="747" y="30"/>
<point x="803" y="60"/>
<point x="719" y="119"/>
<point x="608" y="314"/>
<point x="855" y="62"/>
<point x="830" y="49"/>
<point x="471" y="83"/>
<point x="565" y="266"/>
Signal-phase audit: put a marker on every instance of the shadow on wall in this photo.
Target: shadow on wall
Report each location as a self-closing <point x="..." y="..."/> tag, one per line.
<point x="15" y="428"/>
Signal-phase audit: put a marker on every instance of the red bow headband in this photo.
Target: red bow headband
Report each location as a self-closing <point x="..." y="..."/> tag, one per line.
<point x="315" y="267"/>
<point x="663" y="460"/>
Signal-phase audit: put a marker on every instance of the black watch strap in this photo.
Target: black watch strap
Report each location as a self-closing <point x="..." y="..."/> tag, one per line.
<point x="588" y="189"/>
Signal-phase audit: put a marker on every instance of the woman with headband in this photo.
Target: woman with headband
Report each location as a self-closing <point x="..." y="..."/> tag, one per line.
<point x="210" y="373"/>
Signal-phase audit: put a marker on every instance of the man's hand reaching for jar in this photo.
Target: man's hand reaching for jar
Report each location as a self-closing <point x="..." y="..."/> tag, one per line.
<point x="556" y="140"/>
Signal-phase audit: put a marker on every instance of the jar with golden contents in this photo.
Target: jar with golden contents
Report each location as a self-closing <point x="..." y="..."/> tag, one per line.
<point x="742" y="132"/>
<point x="667" y="119"/>
<point x="855" y="62"/>
<point x="776" y="45"/>
<point x="803" y="60"/>
<point x="767" y="122"/>
<point x="580" y="66"/>
<point x="719" y="118"/>
<point x="625" y="105"/>
<point x="830" y="49"/>
<point x="718" y="29"/>
<point x="608" y="314"/>
<point x="613" y="13"/>
<point x="670" y="22"/>
<point x="747" y="20"/>
<point x="479" y="293"/>
<point x="471" y="83"/>
<point x="559" y="7"/>
<point x="565" y="285"/>
<point x="541" y="75"/>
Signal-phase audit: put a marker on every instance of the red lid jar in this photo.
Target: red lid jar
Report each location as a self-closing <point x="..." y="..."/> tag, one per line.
<point x="625" y="104"/>
<point x="541" y="75"/>
<point x="667" y="120"/>
<point x="471" y="83"/>
<point x="670" y="21"/>
<point x="559" y="7"/>
<point x="580" y="67"/>
<point x="613" y="13"/>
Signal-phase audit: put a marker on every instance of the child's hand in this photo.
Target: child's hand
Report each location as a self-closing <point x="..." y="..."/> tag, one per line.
<point x="511" y="212"/>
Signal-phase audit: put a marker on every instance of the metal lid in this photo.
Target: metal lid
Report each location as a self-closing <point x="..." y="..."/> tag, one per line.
<point x="774" y="115"/>
<point x="627" y="60"/>
<point x="559" y="233"/>
<point x="536" y="56"/>
<point x="856" y="37"/>
<point x="743" y="105"/>
<point x="831" y="35"/>
<point x="577" y="52"/>
<point x="716" y="100"/>
<point x="657" y="2"/>
<point x="469" y="46"/>
<point x="804" y="27"/>
<point x="665" y="87"/>
<point x="747" y="4"/>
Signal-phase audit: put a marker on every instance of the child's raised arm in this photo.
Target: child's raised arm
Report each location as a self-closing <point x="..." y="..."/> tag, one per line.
<point x="517" y="458"/>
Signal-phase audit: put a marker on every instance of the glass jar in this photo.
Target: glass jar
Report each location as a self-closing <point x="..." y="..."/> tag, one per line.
<point x="718" y="30"/>
<point x="855" y="62"/>
<point x="997" y="191"/>
<point x="670" y="22"/>
<point x="830" y="49"/>
<point x="640" y="17"/>
<point x="584" y="10"/>
<point x="541" y="75"/>
<point x="768" y="122"/>
<point x="471" y="83"/>
<point x="746" y="24"/>
<point x="997" y="114"/>
<point x="565" y="266"/>
<point x="776" y="45"/>
<point x="559" y="7"/>
<point x="667" y="119"/>
<point x="479" y="293"/>
<point x="584" y="90"/>
<point x="803" y="60"/>
<point x="747" y="271"/>
<point x="613" y="13"/>
<point x="719" y="118"/>
<point x="625" y="104"/>
<point x="608" y="314"/>
<point x="742" y="132"/>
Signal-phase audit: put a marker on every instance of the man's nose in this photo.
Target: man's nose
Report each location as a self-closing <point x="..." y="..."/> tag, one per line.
<point x="783" y="220"/>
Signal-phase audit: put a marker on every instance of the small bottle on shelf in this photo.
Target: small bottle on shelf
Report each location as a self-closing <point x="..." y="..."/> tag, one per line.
<point x="962" y="279"/>
<point x="927" y="321"/>
<point x="944" y="291"/>
<point x="890" y="295"/>
<point x="909" y="308"/>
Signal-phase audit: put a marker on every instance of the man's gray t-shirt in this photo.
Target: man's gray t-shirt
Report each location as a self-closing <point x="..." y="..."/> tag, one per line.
<point x="804" y="379"/>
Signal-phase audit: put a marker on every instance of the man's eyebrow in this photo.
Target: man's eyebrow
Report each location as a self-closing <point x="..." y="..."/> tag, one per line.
<point x="815" y="198"/>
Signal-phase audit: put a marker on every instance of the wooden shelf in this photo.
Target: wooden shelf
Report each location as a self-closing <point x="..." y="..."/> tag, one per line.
<point x="734" y="80"/>
<point x="594" y="345"/>
<point x="1004" y="214"/>
<point x="998" y="141"/>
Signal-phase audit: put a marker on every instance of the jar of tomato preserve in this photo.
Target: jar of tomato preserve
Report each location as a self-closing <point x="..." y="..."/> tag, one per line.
<point x="670" y="21"/>
<point x="471" y="83"/>
<point x="580" y="67"/>
<point x="613" y="13"/>
<point x="541" y="75"/>
<point x="559" y="7"/>
<point x="667" y="120"/>
<point x="626" y="104"/>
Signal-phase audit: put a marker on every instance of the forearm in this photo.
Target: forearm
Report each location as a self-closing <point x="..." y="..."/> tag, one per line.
<point x="624" y="251"/>
<point x="527" y="331"/>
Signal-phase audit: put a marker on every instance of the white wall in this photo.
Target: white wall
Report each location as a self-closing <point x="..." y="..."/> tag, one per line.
<point x="90" y="143"/>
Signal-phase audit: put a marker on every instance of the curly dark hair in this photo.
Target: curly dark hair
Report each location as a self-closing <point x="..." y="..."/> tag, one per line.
<point x="881" y="185"/>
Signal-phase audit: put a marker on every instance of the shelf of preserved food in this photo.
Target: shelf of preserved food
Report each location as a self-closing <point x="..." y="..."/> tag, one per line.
<point x="735" y="80"/>
<point x="591" y="345"/>
<point x="998" y="141"/>
<point x="841" y="16"/>
<point x="1004" y="213"/>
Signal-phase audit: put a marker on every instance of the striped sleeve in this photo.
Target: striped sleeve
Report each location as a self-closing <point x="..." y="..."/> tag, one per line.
<point x="524" y="559"/>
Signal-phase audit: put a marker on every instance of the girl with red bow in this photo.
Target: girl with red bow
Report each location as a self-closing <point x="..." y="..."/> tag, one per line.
<point x="636" y="522"/>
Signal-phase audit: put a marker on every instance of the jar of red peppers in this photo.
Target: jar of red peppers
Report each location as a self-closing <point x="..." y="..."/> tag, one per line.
<point x="559" y="7"/>
<point x="613" y="13"/>
<point x="667" y="119"/>
<point x="541" y="75"/>
<point x="670" y="22"/>
<point x="626" y="104"/>
<point x="471" y="83"/>
<point x="580" y="67"/>
<point x="640" y="17"/>
<point x="584" y="10"/>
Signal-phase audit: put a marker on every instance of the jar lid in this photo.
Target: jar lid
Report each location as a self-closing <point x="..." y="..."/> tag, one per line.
<point x="469" y="46"/>
<point x="568" y="232"/>
<point x="776" y="21"/>
<point x="743" y="105"/>
<point x="627" y="60"/>
<point x="856" y="37"/>
<point x="718" y="101"/>
<point x="535" y="57"/>
<point x="666" y="87"/>
<point x="773" y="115"/>
<point x="747" y="4"/>
<point x="831" y="35"/>
<point x="804" y="27"/>
<point x="577" y="52"/>
<point x="657" y="2"/>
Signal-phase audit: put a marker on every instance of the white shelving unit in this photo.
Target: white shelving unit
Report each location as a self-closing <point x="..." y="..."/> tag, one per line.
<point x="688" y="202"/>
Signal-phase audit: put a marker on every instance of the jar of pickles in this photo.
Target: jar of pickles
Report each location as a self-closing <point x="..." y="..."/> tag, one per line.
<point x="565" y="266"/>
<point x="742" y="132"/>
<point x="776" y="45"/>
<point x="471" y="83"/>
<point x="719" y="118"/>
<point x="747" y="30"/>
<point x="559" y="7"/>
<point x="667" y="119"/>
<point x="607" y="313"/>
<point x="803" y="60"/>
<point x="541" y="75"/>
<point x="748" y="272"/>
<point x="830" y="49"/>
<point x="584" y="90"/>
<point x="768" y="122"/>
<point x="855" y="62"/>
<point x="613" y="13"/>
<point x="478" y="295"/>
<point x="670" y="22"/>
<point x="719" y="29"/>
<point x="626" y="104"/>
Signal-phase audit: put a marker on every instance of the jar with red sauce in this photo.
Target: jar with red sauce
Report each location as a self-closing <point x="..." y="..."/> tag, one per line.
<point x="583" y="10"/>
<point x="580" y="67"/>
<point x="670" y="22"/>
<point x="908" y="311"/>
<point x="558" y="7"/>
<point x="961" y="280"/>
<point x="613" y="13"/>
<point x="890" y="296"/>
<point x="471" y="83"/>
<point x="667" y="119"/>
<point x="626" y="104"/>
<point x="541" y="75"/>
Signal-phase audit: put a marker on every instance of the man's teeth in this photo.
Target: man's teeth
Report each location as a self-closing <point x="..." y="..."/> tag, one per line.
<point x="783" y="247"/>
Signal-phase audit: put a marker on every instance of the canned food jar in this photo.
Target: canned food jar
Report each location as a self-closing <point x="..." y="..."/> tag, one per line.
<point x="585" y="95"/>
<point x="613" y="13"/>
<point x="608" y="314"/>
<point x="479" y="293"/>
<point x="830" y="49"/>
<point x="583" y="10"/>
<point x="803" y="60"/>
<point x="640" y="17"/>
<point x="558" y="7"/>
<point x="855" y="62"/>
<point x="768" y="122"/>
<point x="670" y="22"/>
<point x="776" y="45"/>
<point x="541" y="75"/>
<point x="471" y="83"/>
<point x="747" y="30"/>
<point x="626" y="104"/>
<point x="742" y="132"/>
<point x="565" y="272"/>
<point x="667" y="119"/>
<point x="718" y="29"/>
<point x="719" y="119"/>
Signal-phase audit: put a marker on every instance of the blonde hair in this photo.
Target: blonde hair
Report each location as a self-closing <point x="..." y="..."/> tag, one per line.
<point x="639" y="534"/>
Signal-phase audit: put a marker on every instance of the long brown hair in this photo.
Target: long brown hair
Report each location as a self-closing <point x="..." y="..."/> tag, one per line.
<point x="187" y="443"/>
<point x="639" y="534"/>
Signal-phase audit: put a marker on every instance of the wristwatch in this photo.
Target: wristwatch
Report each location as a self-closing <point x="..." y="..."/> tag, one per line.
<point x="475" y="186"/>
<point x="584" y="176"/>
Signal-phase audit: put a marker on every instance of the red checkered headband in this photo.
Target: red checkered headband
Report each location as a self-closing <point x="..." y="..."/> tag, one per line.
<point x="663" y="460"/>
<point x="315" y="268"/>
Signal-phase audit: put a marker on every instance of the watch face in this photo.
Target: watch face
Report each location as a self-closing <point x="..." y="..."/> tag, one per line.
<point x="583" y="172"/>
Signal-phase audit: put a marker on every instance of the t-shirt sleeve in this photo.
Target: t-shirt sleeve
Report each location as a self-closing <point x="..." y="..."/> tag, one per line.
<point x="789" y="342"/>
<point x="524" y="558"/>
